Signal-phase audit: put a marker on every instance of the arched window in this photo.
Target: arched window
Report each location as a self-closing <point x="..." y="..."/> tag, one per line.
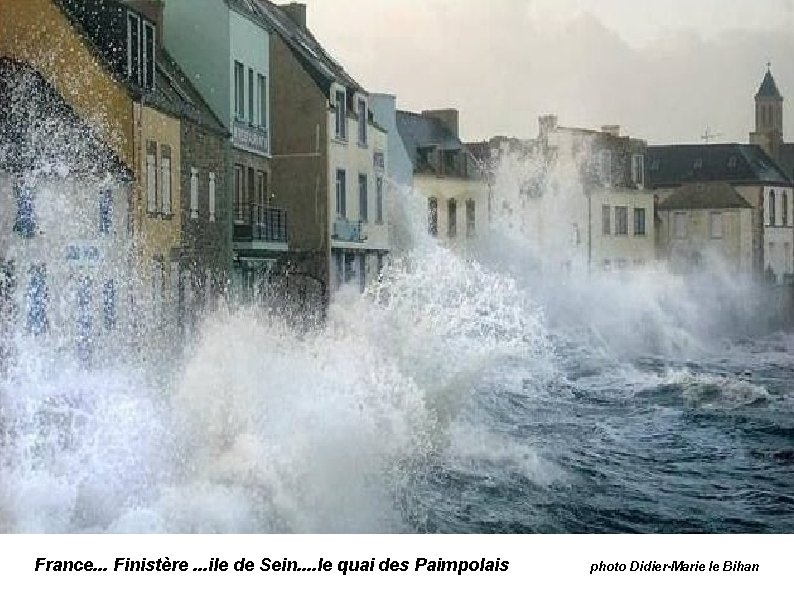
<point x="772" y="201"/>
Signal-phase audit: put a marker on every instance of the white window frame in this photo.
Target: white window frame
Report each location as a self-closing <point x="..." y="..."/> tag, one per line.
<point x="151" y="182"/>
<point x="361" y="106"/>
<point x="165" y="183"/>
<point x="680" y="230"/>
<point x="340" y="110"/>
<point x="638" y="169"/>
<point x="212" y="197"/>
<point x="145" y="54"/>
<point x="136" y="17"/>
<point x="239" y="91"/>
<point x="194" y="201"/>
<point x="261" y="82"/>
<point x="715" y="225"/>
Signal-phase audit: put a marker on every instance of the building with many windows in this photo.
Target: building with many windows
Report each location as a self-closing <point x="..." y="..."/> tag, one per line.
<point x="754" y="175"/>
<point x="230" y="68"/>
<point x="329" y="162"/>
<point x="445" y="175"/>
<point x="64" y="225"/>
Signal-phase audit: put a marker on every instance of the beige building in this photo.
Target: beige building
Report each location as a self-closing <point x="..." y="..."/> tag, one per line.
<point x="706" y="227"/>
<point x="446" y="177"/>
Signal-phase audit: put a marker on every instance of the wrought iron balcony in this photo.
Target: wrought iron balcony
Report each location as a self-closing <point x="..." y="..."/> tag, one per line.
<point x="262" y="224"/>
<point x="350" y="231"/>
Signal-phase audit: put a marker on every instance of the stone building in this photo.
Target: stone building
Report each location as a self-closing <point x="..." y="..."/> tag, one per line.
<point x="754" y="175"/>
<point x="706" y="228"/>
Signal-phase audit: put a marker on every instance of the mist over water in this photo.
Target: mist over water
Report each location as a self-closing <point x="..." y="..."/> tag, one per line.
<point x="456" y="394"/>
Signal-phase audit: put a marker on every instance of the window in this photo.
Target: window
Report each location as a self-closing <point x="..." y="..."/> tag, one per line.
<point x="362" y="198"/>
<point x="238" y="194"/>
<point x="732" y="162"/>
<point x="380" y="264"/>
<point x="250" y="189"/>
<point x="341" y="115"/>
<point x="158" y="284"/>
<point x="715" y="225"/>
<point x="212" y="196"/>
<point x="350" y="264"/>
<point x="262" y="83"/>
<point x="452" y="218"/>
<point x="606" y="265"/>
<point x="605" y="165"/>
<point x="239" y="91"/>
<point x="26" y="216"/>
<point x="109" y="304"/>
<point x="261" y="193"/>
<point x="37" y="301"/>
<point x="362" y="122"/>
<point x="698" y="164"/>
<point x="606" y="220"/>
<point x="470" y="218"/>
<point x="151" y="177"/>
<point x="148" y="55"/>
<point x="379" y="199"/>
<point x="639" y="222"/>
<point x="362" y="272"/>
<point x="341" y="193"/>
<point x="251" y="103"/>
<point x="576" y="237"/>
<point x="165" y="178"/>
<point x="772" y="201"/>
<point x="679" y="225"/>
<point x="432" y="217"/>
<point x="134" y="47"/>
<point x="105" y="211"/>
<point x="194" y="184"/>
<point x="621" y="221"/>
<point x="785" y="208"/>
<point x="340" y="267"/>
<point x="638" y="170"/>
<point x="85" y="318"/>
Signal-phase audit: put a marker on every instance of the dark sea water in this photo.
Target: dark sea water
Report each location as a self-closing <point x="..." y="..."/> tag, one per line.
<point x="648" y="445"/>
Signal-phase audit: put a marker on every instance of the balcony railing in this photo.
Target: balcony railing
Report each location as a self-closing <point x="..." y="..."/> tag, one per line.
<point x="350" y="231"/>
<point x="248" y="136"/>
<point x="262" y="224"/>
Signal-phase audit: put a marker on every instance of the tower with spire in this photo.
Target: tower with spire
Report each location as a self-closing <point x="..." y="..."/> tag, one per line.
<point x="768" y="116"/>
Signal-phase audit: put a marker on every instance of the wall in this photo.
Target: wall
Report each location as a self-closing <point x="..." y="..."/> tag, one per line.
<point x="698" y="250"/>
<point x="205" y="244"/>
<point x="400" y="168"/>
<point x="250" y="44"/>
<point x="444" y="189"/>
<point x="68" y="242"/>
<point x="299" y="143"/>
<point x="37" y="32"/>
<point x="197" y="36"/>
<point x="157" y="236"/>
<point x="632" y="249"/>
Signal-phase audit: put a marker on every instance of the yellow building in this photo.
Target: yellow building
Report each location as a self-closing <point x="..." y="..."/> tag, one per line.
<point x="101" y="56"/>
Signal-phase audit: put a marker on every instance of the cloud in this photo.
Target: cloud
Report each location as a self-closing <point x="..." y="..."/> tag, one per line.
<point x="504" y="62"/>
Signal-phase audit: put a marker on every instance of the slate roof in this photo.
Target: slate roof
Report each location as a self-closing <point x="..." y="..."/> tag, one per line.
<point x="768" y="88"/>
<point x="674" y="165"/>
<point x="706" y="195"/>
<point x="320" y="65"/>
<point x="40" y="131"/>
<point x="173" y="93"/>
<point x="417" y="131"/>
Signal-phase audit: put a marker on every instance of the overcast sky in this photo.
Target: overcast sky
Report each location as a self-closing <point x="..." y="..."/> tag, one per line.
<point x="663" y="70"/>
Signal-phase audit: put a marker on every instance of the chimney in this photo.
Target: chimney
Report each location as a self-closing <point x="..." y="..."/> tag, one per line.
<point x="296" y="11"/>
<point x="611" y="129"/>
<point x="448" y="117"/>
<point x="546" y="124"/>
<point x="154" y="11"/>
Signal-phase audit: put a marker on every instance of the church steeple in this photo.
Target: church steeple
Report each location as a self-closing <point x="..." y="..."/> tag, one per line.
<point x="768" y="115"/>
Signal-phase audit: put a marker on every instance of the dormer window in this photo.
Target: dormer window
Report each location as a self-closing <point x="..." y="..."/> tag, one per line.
<point x="341" y="114"/>
<point x="141" y="53"/>
<point x="362" y="122"/>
